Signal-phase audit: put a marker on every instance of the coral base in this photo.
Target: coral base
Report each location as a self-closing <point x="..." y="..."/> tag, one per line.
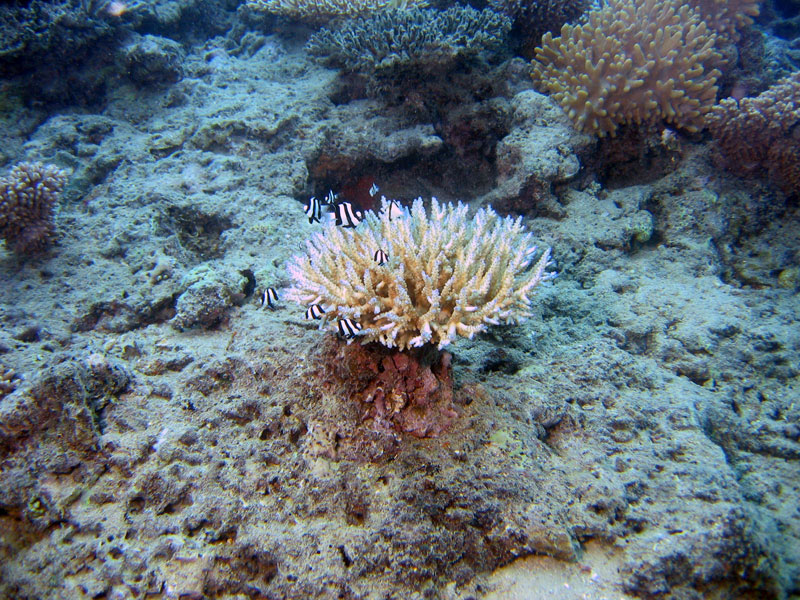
<point x="409" y="391"/>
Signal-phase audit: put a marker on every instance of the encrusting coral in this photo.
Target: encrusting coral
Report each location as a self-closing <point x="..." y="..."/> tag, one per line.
<point x="633" y="62"/>
<point x="27" y="197"/>
<point x="322" y="10"/>
<point x="759" y="136"/>
<point x="444" y="275"/>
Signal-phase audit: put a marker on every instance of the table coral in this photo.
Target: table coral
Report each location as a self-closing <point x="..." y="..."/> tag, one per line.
<point x="419" y="37"/>
<point x="445" y="276"/>
<point x="322" y="10"/>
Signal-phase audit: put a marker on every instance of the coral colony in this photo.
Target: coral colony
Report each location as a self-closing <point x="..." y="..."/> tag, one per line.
<point x="767" y="123"/>
<point x="406" y="279"/>
<point x="315" y="10"/>
<point x="416" y="37"/>
<point x="654" y="61"/>
<point x="27" y="197"/>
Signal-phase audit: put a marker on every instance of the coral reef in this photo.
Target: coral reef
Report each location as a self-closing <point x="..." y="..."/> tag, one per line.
<point x="640" y="439"/>
<point x="316" y="10"/>
<point x="41" y="40"/>
<point x="533" y="18"/>
<point x="727" y="17"/>
<point x="758" y="136"/>
<point x="27" y="196"/>
<point x="33" y="29"/>
<point x="445" y="275"/>
<point x="421" y="38"/>
<point x="632" y="62"/>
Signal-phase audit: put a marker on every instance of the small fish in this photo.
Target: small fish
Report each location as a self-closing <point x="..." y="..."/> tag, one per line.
<point x="330" y="199"/>
<point x="315" y="311"/>
<point x="346" y="216"/>
<point x="269" y="298"/>
<point x="116" y="9"/>
<point x="380" y="257"/>
<point x="394" y="210"/>
<point x="313" y="210"/>
<point x="348" y="328"/>
<point x="373" y="190"/>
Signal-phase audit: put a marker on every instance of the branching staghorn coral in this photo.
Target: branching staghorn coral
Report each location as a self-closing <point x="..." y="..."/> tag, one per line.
<point x="396" y="38"/>
<point x="761" y="135"/>
<point x="445" y="275"/>
<point x="27" y="197"/>
<point x="633" y="62"/>
<point x="323" y="10"/>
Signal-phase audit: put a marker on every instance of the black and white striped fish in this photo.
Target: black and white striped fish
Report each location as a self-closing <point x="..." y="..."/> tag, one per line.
<point x="380" y="256"/>
<point x="313" y="210"/>
<point x="315" y="311"/>
<point x="348" y="328"/>
<point x="373" y="190"/>
<point x="269" y="298"/>
<point x="330" y="199"/>
<point x="346" y="216"/>
<point x="394" y="209"/>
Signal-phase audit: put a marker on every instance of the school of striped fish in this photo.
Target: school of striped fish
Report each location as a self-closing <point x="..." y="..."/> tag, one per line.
<point x="347" y="217"/>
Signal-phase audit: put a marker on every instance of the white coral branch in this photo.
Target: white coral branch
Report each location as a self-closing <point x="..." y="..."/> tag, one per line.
<point x="445" y="275"/>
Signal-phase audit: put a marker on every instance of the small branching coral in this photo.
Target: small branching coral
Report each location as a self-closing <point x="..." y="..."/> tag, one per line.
<point x="443" y="276"/>
<point x="27" y="197"/>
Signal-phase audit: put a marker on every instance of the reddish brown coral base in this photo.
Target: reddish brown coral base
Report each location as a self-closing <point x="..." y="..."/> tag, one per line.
<point x="409" y="392"/>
